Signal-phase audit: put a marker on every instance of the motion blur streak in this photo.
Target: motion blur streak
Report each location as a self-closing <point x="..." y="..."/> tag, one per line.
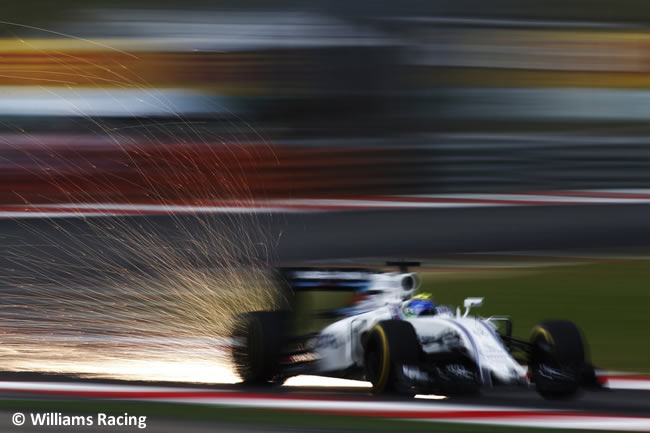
<point x="249" y="103"/>
<point x="326" y="382"/>
<point x="199" y="364"/>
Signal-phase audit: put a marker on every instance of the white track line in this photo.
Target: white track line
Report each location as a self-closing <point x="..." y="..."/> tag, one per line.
<point x="441" y="201"/>
<point x="411" y="410"/>
<point x="8" y="386"/>
<point x="575" y="423"/>
<point x="629" y="384"/>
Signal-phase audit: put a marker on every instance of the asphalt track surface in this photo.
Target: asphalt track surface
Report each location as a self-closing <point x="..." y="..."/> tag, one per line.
<point x="416" y="233"/>
<point x="598" y="401"/>
<point x="598" y="405"/>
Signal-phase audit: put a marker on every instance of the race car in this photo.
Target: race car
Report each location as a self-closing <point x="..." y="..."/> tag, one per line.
<point x="370" y="325"/>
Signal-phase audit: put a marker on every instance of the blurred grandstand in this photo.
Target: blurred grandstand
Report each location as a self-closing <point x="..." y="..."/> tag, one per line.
<point x="99" y="100"/>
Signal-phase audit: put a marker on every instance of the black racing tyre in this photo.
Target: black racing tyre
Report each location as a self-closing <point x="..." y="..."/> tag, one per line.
<point x="390" y="345"/>
<point x="258" y="340"/>
<point x="558" y="358"/>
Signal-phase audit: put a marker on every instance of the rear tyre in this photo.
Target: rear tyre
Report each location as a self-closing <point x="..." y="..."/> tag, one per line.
<point x="557" y="361"/>
<point x="391" y="345"/>
<point x="258" y="340"/>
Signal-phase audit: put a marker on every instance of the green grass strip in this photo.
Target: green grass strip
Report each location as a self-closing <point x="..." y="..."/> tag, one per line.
<point x="610" y="301"/>
<point x="258" y="417"/>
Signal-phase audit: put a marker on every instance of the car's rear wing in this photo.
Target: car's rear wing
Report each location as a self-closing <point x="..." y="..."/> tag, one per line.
<point x="326" y="279"/>
<point x="334" y="279"/>
<point x="315" y="295"/>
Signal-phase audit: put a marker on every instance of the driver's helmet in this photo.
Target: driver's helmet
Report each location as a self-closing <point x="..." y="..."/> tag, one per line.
<point x="420" y="305"/>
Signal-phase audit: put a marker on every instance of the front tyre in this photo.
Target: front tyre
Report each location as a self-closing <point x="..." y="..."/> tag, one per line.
<point x="557" y="361"/>
<point x="391" y="345"/>
<point x="258" y="339"/>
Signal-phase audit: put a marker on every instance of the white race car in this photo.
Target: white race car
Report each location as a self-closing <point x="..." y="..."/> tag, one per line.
<point x="399" y="342"/>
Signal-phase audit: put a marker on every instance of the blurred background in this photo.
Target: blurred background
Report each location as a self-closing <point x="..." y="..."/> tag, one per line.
<point x="324" y="98"/>
<point x="505" y="144"/>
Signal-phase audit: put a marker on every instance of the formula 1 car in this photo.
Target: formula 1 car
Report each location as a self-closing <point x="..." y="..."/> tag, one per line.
<point x="370" y="325"/>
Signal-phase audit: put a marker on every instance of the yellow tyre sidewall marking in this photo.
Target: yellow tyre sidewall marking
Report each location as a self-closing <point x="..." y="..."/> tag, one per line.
<point x="538" y="330"/>
<point x="385" y="360"/>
